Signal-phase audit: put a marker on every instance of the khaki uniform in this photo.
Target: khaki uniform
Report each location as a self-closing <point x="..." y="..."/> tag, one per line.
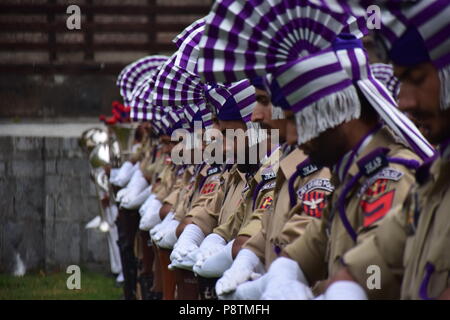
<point x="283" y="224"/>
<point x="413" y="244"/>
<point x="256" y="199"/>
<point x="177" y="187"/>
<point x="222" y="203"/>
<point x="205" y="185"/>
<point x="356" y="209"/>
<point x="167" y="180"/>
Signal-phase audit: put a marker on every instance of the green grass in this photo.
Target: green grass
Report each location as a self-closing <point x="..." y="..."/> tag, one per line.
<point x="40" y="286"/>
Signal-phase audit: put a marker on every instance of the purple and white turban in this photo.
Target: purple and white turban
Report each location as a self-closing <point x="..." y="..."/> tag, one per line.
<point x="413" y="32"/>
<point x="133" y="75"/>
<point x="321" y="91"/>
<point x="244" y="39"/>
<point x="141" y="106"/>
<point x="385" y="74"/>
<point x="177" y="85"/>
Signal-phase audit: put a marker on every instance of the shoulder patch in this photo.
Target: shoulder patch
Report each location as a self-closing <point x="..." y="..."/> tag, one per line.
<point x="268" y="174"/>
<point x="208" y="188"/>
<point x="384" y="174"/>
<point x="213" y="170"/>
<point x="266" y="203"/>
<point x="373" y="162"/>
<point x="246" y="188"/>
<point x="313" y="196"/>
<point x="307" y="169"/>
<point x="267" y="186"/>
<point x="378" y="208"/>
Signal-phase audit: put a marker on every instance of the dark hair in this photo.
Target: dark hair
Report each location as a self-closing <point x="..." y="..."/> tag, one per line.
<point x="368" y="113"/>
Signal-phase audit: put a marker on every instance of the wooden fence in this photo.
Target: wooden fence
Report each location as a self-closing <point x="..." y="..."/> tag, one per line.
<point x="148" y="18"/>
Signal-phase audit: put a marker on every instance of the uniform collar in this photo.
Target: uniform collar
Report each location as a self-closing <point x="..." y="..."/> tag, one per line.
<point x="343" y="165"/>
<point x="269" y="163"/>
<point x="381" y="138"/>
<point x="288" y="164"/>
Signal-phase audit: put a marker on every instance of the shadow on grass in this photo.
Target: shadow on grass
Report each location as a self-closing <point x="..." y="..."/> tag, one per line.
<point x="52" y="286"/>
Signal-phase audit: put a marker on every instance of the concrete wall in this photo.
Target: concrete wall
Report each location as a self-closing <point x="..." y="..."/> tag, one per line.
<point x="46" y="198"/>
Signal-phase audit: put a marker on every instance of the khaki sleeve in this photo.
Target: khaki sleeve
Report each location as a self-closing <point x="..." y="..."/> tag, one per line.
<point x="384" y="249"/>
<point x="172" y="198"/>
<point x="167" y="184"/>
<point x="252" y="224"/>
<point x="206" y="216"/>
<point x="229" y="229"/>
<point x="257" y="244"/>
<point x="309" y="251"/>
<point x="381" y="242"/>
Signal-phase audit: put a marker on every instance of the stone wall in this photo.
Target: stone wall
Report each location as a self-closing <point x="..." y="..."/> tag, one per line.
<point x="46" y="199"/>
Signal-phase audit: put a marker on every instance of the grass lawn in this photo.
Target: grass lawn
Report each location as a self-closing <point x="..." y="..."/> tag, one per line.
<point x="40" y="286"/>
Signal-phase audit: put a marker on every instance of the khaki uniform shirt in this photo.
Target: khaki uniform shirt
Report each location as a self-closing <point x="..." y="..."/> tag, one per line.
<point x="427" y="254"/>
<point x="256" y="198"/>
<point x="411" y="247"/>
<point x="380" y="189"/>
<point x="167" y="180"/>
<point x="283" y="224"/>
<point x="222" y="203"/>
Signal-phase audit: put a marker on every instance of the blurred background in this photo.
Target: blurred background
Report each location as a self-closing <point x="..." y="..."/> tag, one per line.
<point x="54" y="83"/>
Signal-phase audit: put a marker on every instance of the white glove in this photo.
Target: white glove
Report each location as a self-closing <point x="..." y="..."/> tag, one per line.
<point x="151" y="216"/>
<point x="242" y="269"/>
<point x="124" y="174"/>
<point x="345" y="290"/>
<point x="212" y="244"/>
<point x="162" y="225"/>
<point x="169" y="236"/>
<point x="134" y="188"/>
<point x="250" y="290"/>
<point x="286" y="281"/>
<point x="188" y="241"/>
<point x="147" y="202"/>
<point x="120" y="194"/>
<point x="287" y="290"/>
<point x="216" y="264"/>
<point x="137" y="201"/>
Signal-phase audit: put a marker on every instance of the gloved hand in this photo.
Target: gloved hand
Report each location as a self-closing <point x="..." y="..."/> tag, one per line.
<point x="188" y="241"/>
<point x="137" y="201"/>
<point x="161" y="225"/>
<point x="151" y="216"/>
<point x="167" y="235"/>
<point x="249" y="290"/>
<point x="212" y="244"/>
<point x="215" y="265"/>
<point x="120" y="194"/>
<point x="134" y="188"/>
<point x="345" y="290"/>
<point x="242" y="269"/>
<point x="147" y="202"/>
<point x="286" y="281"/>
<point x="124" y="175"/>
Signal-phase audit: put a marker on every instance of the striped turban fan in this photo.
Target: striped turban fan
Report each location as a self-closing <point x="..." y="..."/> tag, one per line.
<point x="326" y="96"/>
<point x="177" y="85"/>
<point x="385" y="74"/>
<point x="412" y="32"/>
<point x="250" y="38"/>
<point x="141" y="107"/>
<point x="133" y="74"/>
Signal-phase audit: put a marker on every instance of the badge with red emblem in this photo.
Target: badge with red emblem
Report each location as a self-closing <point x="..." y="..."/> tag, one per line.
<point x="376" y="202"/>
<point x="314" y="196"/>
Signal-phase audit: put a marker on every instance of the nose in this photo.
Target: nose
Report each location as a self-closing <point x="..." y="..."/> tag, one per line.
<point x="257" y="114"/>
<point x="407" y="101"/>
